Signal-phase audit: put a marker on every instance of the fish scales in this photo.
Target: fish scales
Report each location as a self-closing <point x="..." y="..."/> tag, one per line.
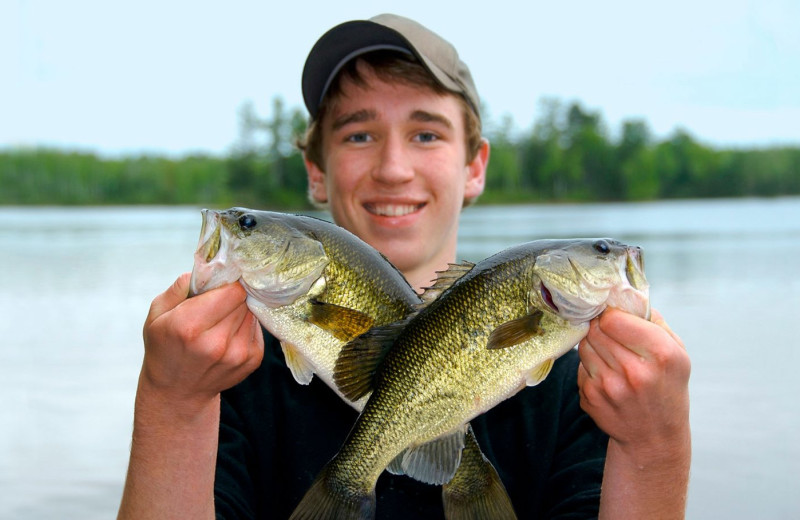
<point x="497" y="328"/>
<point x="443" y="373"/>
<point x="338" y="285"/>
<point x="358" y="274"/>
<point x="311" y="283"/>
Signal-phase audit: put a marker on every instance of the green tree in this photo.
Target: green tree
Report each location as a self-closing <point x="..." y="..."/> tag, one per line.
<point x="542" y="154"/>
<point x="636" y="161"/>
<point x="503" y="173"/>
<point x="565" y="156"/>
<point x="590" y="157"/>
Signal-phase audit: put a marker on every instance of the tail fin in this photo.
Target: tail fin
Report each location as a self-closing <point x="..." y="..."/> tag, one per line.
<point x="476" y="491"/>
<point x="329" y="499"/>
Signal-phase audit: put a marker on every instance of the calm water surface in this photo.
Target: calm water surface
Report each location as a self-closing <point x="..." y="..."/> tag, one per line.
<point x="76" y="283"/>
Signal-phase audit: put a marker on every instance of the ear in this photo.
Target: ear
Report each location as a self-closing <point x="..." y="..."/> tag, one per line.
<point x="476" y="172"/>
<point x="316" y="182"/>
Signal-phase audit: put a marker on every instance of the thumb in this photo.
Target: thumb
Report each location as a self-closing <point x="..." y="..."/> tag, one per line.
<point x="169" y="299"/>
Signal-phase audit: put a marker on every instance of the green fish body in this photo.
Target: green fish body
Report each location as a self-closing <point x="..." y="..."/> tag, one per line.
<point x="312" y="284"/>
<point x="316" y="286"/>
<point x="496" y="327"/>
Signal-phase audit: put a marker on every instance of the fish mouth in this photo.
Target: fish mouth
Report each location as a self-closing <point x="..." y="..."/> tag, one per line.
<point x="210" y="236"/>
<point x="207" y="250"/>
<point x="634" y="268"/>
<point x="636" y="297"/>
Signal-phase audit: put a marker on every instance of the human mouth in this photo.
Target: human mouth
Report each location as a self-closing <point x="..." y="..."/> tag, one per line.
<point x="392" y="210"/>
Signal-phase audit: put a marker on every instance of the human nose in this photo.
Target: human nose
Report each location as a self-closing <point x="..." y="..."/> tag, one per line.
<point x="393" y="165"/>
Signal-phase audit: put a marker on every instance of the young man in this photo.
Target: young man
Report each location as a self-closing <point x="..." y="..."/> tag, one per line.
<point x="394" y="150"/>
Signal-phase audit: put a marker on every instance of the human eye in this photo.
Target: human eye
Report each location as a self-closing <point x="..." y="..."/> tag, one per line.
<point x="426" y="137"/>
<point x="358" y="137"/>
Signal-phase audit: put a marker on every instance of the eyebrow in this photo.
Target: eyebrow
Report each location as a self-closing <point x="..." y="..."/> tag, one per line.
<point x="358" y="116"/>
<point x="429" y="117"/>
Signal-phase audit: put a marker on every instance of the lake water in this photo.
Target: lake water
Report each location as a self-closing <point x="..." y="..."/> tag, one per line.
<point x="76" y="283"/>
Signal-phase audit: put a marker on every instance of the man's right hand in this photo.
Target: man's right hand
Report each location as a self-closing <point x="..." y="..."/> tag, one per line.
<point x="196" y="347"/>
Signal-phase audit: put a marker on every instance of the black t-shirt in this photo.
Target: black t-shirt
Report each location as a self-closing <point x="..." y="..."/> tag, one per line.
<point x="276" y="435"/>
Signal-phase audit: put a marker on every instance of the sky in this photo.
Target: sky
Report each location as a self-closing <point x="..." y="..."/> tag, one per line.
<point x="169" y="77"/>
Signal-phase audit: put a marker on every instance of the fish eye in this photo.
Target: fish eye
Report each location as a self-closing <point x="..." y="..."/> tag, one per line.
<point x="247" y="222"/>
<point x="602" y="247"/>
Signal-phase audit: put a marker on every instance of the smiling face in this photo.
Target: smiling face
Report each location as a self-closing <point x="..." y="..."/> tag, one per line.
<point x="396" y="172"/>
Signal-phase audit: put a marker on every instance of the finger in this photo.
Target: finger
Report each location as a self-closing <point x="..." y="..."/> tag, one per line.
<point x="583" y="374"/>
<point x="604" y="347"/>
<point x="632" y="332"/>
<point x="171" y="298"/>
<point x="592" y="363"/>
<point x="655" y="316"/>
<point x="227" y="327"/>
<point x="589" y="391"/>
<point x="245" y="349"/>
<point x="659" y="320"/>
<point x="583" y="378"/>
<point x="251" y="329"/>
<point x="241" y="326"/>
<point x="256" y="336"/>
<point x="213" y="307"/>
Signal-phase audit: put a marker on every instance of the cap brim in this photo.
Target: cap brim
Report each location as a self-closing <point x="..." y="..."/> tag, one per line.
<point x="345" y="42"/>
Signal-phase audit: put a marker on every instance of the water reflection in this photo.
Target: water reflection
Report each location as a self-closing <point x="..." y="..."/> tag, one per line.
<point x="77" y="282"/>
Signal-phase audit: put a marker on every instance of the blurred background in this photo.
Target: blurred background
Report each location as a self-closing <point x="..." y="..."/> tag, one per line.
<point x="671" y="126"/>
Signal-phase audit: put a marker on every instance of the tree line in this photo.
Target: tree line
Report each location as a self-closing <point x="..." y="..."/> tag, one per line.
<point x="568" y="155"/>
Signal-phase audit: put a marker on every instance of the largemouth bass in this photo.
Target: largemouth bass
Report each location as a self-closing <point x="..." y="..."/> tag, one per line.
<point x="496" y="327"/>
<point x="316" y="286"/>
<point x="312" y="284"/>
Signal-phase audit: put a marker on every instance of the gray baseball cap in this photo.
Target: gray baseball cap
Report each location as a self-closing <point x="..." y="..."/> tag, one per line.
<point x="386" y="31"/>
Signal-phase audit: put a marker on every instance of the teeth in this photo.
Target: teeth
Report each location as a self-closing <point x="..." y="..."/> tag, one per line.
<point x="394" y="210"/>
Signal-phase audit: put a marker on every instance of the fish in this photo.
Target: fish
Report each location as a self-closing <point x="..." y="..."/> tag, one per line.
<point x="315" y="286"/>
<point x="309" y="282"/>
<point x="493" y="328"/>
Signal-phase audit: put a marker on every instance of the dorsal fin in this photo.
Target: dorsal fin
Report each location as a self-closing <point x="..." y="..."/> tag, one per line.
<point x="444" y="280"/>
<point x="342" y="322"/>
<point x="354" y="372"/>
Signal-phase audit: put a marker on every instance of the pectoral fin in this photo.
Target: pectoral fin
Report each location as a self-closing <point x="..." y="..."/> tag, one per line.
<point x="516" y="331"/>
<point x="344" y="323"/>
<point x="301" y="369"/>
<point x="539" y="372"/>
